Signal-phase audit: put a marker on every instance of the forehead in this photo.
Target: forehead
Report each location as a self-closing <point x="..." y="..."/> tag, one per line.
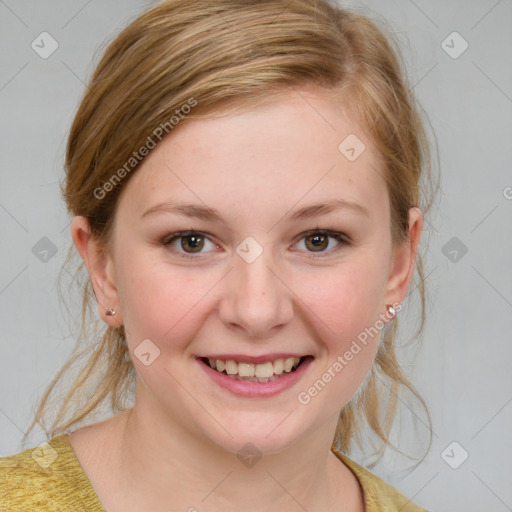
<point x="301" y="147"/>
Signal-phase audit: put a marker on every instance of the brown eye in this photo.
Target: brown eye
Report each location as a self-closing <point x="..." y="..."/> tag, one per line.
<point x="317" y="242"/>
<point x="187" y="243"/>
<point x="192" y="243"/>
<point x="322" y="242"/>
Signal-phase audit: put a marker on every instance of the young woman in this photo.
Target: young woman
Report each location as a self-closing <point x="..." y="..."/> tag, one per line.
<point x="244" y="180"/>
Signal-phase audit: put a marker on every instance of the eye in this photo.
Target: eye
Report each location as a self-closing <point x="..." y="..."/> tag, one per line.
<point x="321" y="241"/>
<point x="189" y="242"/>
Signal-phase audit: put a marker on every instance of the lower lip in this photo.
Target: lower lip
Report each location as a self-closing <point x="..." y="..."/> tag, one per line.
<point x="256" y="389"/>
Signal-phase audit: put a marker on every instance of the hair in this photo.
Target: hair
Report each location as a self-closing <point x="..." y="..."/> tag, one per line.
<point x="211" y="54"/>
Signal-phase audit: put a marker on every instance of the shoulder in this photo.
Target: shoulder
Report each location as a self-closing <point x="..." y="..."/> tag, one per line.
<point x="47" y="478"/>
<point x="378" y="495"/>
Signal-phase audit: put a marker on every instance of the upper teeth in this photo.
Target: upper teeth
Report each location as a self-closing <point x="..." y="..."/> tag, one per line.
<point x="261" y="370"/>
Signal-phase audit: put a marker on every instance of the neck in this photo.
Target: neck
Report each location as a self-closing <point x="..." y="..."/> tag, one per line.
<point x="167" y="466"/>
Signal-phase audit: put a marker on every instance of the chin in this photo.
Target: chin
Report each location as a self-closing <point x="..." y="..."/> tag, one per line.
<point x="268" y="434"/>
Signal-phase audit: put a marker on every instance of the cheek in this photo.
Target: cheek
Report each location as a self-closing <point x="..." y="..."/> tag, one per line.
<point x="344" y="309"/>
<point x="161" y="302"/>
<point x="345" y="300"/>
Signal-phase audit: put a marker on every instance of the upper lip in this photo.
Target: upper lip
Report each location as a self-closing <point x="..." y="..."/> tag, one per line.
<point x="253" y="359"/>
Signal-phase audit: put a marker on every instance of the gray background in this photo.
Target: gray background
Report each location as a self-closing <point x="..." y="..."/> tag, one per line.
<point x="461" y="366"/>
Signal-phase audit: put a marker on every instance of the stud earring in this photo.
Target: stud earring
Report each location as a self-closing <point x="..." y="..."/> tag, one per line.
<point x="110" y="312"/>
<point x="391" y="311"/>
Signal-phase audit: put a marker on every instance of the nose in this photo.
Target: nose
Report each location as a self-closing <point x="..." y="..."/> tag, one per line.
<point x="256" y="300"/>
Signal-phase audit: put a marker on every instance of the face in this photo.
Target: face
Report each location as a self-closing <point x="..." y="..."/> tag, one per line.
<point x="253" y="239"/>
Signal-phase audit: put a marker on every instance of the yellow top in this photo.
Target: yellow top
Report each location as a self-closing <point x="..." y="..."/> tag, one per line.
<point x="50" y="478"/>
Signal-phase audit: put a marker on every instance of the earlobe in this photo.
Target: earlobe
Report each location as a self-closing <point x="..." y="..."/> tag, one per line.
<point x="101" y="270"/>
<point x="404" y="259"/>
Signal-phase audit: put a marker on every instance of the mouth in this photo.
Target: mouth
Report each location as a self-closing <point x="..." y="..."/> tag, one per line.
<point x="259" y="377"/>
<point x="267" y="371"/>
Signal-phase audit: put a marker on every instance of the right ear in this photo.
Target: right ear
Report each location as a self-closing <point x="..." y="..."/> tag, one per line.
<point x="100" y="265"/>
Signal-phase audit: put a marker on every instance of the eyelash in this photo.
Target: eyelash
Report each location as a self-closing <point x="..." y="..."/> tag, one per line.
<point x="341" y="238"/>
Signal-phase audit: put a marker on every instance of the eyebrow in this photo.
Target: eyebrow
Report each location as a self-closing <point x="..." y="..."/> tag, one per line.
<point x="323" y="208"/>
<point x="206" y="213"/>
<point x="186" y="209"/>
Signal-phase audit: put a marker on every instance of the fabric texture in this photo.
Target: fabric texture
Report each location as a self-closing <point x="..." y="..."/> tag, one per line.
<point x="49" y="478"/>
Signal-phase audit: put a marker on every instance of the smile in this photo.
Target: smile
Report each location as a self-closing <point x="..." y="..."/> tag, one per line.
<point x="260" y="378"/>
<point x="250" y="372"/>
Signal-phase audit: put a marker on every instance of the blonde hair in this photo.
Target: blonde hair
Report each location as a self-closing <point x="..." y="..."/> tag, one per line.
<point x="220" y="52"/>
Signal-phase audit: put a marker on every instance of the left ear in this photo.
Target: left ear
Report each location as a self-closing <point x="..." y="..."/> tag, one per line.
<point x="404" y="259"/>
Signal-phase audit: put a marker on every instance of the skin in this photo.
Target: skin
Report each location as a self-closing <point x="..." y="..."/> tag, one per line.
<point x="177" y="447"/>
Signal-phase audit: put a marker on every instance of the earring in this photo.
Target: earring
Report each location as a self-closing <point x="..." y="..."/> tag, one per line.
<point x="391" y="311"/>
<point x="110" y="312"/>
